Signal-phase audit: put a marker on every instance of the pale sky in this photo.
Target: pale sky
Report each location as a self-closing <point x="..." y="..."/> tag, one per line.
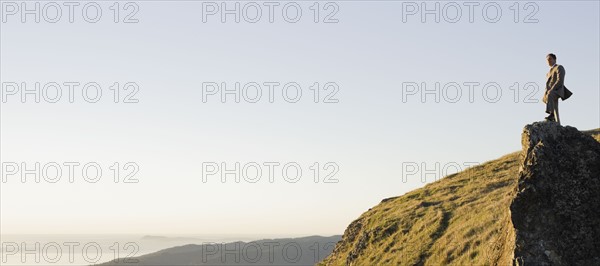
<point x="369" y="134"/>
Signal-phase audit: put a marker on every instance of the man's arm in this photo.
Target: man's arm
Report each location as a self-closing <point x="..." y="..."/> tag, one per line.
<point x="561" y="78"/>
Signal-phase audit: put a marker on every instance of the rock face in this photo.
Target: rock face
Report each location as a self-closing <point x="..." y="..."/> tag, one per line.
<point x="556" y="210"/>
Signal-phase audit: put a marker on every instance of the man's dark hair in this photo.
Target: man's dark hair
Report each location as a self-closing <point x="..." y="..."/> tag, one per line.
<point x="552" y="55"/>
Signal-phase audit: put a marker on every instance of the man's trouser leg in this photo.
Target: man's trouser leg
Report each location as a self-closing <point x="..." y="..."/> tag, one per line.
<point x="552" y="105"/>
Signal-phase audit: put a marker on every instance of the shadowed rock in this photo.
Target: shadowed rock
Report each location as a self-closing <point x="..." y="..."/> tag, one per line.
<point x="556" y="212"/>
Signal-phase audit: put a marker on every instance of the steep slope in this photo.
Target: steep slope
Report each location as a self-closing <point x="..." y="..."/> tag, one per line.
<point x="464" y="218"/>
<point x="460" y="219"/>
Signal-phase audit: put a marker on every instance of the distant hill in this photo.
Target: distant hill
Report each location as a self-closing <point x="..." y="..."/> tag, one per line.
<point x="284" y="251"/>
<point x="539" y="206"/>
<point x="168" y="239"/>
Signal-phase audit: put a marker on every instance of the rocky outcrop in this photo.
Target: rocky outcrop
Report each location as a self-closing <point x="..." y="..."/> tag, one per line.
<point x="556" y="211"/>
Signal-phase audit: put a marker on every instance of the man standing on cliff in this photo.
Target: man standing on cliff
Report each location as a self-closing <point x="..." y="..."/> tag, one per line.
<point x="555" y="88"/>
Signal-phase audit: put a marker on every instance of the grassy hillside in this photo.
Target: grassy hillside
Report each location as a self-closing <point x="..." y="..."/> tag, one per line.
<point x="459" y="219"/>
<point x="462" y="219"/>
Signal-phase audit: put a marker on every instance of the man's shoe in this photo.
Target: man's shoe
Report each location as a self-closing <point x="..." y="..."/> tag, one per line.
<point x="550" y="118"/>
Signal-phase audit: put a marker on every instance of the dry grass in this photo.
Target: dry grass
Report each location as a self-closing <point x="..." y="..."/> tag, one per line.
<point x="595" y="133"/>
<point x="463" y="219"/>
